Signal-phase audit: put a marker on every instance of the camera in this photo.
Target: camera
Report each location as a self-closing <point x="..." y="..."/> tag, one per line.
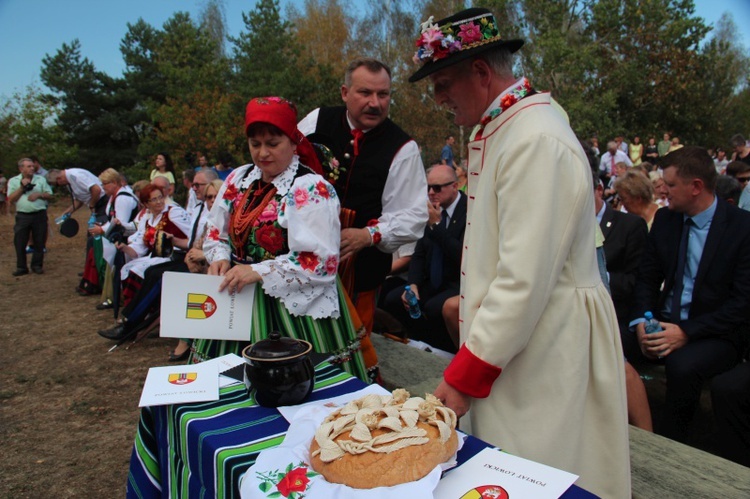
<point x="28" y="187"/>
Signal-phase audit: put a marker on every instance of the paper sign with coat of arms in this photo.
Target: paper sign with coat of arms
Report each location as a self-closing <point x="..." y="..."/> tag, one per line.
<point x="193" y="307"/>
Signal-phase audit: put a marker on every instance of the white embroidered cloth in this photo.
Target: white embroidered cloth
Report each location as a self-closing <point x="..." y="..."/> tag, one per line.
<point x="293" y="454"/>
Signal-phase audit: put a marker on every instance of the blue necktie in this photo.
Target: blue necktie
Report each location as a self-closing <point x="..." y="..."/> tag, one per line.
<point x="436" y="265"/>
<point x="680" y="272"/>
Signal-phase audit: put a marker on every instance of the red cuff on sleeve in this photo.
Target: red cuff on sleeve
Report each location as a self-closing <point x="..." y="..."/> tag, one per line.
<point x="471" y="375"/>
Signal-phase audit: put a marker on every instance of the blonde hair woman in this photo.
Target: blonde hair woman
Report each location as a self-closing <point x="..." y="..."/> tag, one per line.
<point x="637" y="195"/>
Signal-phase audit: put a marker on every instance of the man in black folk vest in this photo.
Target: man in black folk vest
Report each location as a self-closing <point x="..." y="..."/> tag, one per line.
<point x="379" y="177"/>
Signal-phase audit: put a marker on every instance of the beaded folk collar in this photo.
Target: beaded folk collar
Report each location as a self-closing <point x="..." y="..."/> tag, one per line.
<point x="520" y="91"/>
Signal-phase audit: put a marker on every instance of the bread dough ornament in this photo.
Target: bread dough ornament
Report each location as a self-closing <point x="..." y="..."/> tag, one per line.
<point x="384" y="440"/>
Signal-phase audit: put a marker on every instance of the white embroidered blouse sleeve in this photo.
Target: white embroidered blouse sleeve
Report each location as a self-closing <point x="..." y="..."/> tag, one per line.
<point x="305" y="278"/>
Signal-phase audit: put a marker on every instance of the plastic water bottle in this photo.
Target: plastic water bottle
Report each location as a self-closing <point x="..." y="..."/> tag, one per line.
<point x="92" y="224"/>
<point x="411" y="299"/>
<point x="652" y="325"/>
<point x="62" y="218"/>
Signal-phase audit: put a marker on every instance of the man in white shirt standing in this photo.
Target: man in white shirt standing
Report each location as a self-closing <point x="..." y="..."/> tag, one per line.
<point x="610" y="159"/>
<point x="379" y="177"/>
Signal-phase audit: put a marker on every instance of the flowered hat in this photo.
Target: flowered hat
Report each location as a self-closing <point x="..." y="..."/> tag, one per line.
<point x="282" y="114"/>
<point x="457" y="38"/>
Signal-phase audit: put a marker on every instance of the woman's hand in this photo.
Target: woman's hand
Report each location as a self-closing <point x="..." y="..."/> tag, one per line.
<point x="96" y="230"/>
<point x="238" y="277"/>
<point x="126" y="249"/>
<point x="219" y="267"/>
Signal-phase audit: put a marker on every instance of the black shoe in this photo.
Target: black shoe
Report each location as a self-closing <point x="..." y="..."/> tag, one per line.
<point x="116" y="333"/>
<point x="105" y="305"/>
<point x="177" y="358"/>
<point x="20" y="272"/>
<point x="37" y="270"/>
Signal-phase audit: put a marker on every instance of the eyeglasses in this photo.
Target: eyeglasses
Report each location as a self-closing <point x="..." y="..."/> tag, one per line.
<point x="198" y="184"/>
<point x="743" y="179"/>
<point x="210" y="197"/>
<point x="156" y="199"/>
<point x="438" y="187"/>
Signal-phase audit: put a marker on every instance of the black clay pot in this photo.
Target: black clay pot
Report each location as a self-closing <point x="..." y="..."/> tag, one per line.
<point x="280" y="370"/>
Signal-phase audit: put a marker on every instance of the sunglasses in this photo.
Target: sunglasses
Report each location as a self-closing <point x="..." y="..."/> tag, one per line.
<point x="743" y="179"/>
<point x="210" y="197"/>
<point x="436" y="188"/>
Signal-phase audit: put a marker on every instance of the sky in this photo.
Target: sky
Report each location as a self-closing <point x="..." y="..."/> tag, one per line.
<point x="31" y="29"/>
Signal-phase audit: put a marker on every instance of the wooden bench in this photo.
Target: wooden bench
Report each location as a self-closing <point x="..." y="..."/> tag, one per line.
<point x="660" y="468"/>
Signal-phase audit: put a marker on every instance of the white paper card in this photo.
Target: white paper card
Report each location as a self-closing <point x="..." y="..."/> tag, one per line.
<point x="180" y="384"/>
<point x="224" y="363"/>
<point x="498" y="475"/>
<point x="192" y="307"/>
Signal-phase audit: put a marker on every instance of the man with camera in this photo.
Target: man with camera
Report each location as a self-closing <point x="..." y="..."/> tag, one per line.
<point x="30" y="194"/>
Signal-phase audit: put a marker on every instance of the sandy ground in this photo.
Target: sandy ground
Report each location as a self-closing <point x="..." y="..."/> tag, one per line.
<point x="68" y="409"/>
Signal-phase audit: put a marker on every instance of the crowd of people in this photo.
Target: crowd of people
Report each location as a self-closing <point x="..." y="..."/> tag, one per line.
<point x="337" y="208"/>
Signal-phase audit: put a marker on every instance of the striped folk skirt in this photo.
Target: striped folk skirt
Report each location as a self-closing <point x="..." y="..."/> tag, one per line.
<point x="337" y="337"/>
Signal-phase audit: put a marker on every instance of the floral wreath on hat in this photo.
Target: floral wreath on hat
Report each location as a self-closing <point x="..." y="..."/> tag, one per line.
<point x="438" y="42"/>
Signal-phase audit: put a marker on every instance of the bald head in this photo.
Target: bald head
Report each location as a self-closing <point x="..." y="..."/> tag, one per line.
<point x="163" y="184"/>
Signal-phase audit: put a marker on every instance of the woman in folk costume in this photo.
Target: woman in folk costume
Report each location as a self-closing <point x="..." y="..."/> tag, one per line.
<point x="275" y="225"/>
<point x="540" y="364"/>
<point x="163" y="227"/>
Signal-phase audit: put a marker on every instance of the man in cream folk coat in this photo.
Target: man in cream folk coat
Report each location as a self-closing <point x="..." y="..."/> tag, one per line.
<point x="540" y="363"/>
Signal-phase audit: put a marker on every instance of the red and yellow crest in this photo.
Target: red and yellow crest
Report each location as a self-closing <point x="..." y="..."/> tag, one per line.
<point x="486" y="492"/>
<point x="182" y="378"/>
<point x="200" y="306"/>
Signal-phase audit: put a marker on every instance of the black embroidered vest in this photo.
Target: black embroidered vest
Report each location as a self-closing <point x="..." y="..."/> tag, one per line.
<point x="360" y="186"/>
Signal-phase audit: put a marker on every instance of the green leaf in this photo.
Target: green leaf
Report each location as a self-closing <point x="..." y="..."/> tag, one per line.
<point x="289" y="467"/>
<point x="264" y="487"/>
<point x="275" y="494"/>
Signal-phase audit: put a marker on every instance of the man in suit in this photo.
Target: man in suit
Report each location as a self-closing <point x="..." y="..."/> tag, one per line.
<point x="435" y="267"/>
<point x="624" y="238"/>
<point x="695" y="278"/>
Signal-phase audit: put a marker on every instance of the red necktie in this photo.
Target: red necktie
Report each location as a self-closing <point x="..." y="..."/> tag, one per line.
<point x="357" y="134"/>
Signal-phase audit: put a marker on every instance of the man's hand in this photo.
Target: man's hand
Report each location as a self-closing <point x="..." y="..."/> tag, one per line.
<point x="353" y="241"/>
<point x="453" y="399"/>
<point x="34" y="196"/>
<point x="414" y="288"/>
<point x="96" y="230"/>
<point x="435" y="213"/>
<point x="661" y="344"/>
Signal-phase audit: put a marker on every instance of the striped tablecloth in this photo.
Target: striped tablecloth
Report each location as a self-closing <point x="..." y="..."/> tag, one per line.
<point x="203" y="449"/>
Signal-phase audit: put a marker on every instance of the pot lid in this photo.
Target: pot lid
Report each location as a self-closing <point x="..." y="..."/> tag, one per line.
<point x="277" y="347"/>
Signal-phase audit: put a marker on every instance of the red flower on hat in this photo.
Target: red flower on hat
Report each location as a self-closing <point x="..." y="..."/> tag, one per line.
<point x="308" y="260"/>
<point x="470" y="33"/>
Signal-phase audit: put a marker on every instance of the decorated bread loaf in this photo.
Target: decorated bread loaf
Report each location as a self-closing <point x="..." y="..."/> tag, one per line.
<point x="384" y="440"/>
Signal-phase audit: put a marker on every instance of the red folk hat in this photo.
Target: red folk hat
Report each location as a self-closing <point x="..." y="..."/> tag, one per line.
<point x="457" y="38"/>
<point x="282" y="114"/>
